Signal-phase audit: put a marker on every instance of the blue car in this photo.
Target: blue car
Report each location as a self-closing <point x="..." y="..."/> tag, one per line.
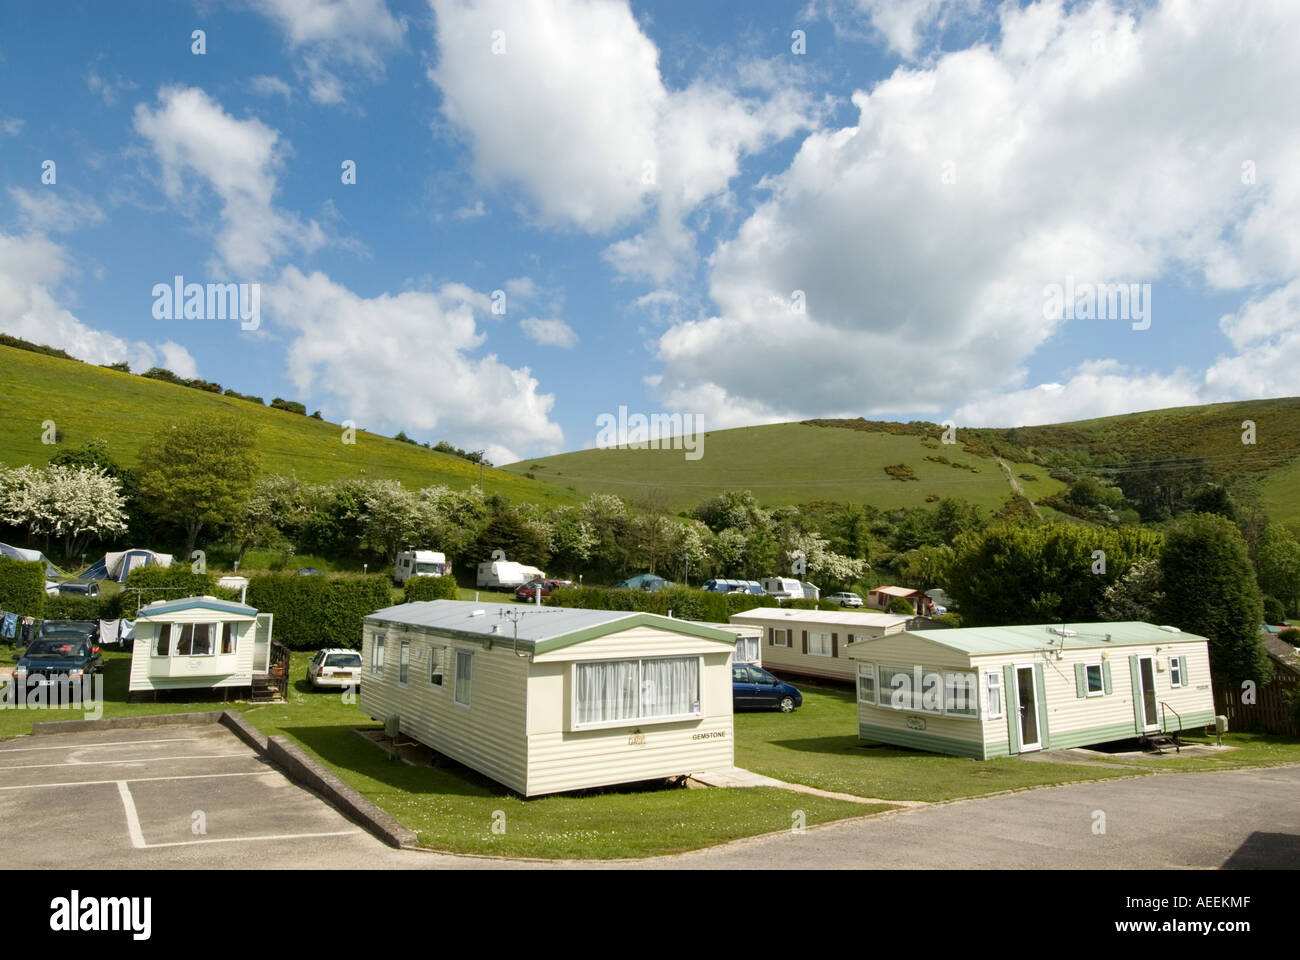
<point x="753" y="688"/>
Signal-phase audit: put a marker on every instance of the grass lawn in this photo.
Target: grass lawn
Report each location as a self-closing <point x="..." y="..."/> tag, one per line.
<point x="797" y="747"/>
<point x="453" y="808"/>
<point x="1252" y="750"/>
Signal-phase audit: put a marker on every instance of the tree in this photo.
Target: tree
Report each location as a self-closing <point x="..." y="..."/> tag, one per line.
<point x="74" y="503"/>
<point x="654" y="539"/>
<point x="1210" y="590"/>
<point x="274" y="503"/>
<point x="1277" y="563"/>
<point x="1136" y="595"/>
<point x="198" y="473"/>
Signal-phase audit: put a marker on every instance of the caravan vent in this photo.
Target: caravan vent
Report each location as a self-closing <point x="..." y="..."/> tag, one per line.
<point x="1062" y="632"/>
<point x="477" y="613"/>
<point x="1168" y="629"/>
<point x="496" y="628"/>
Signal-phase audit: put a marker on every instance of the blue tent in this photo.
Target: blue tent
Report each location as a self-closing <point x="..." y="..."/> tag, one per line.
<point x="29" y="556"/>
<point x="116" y="566"/>
<point x="644" y="581"/>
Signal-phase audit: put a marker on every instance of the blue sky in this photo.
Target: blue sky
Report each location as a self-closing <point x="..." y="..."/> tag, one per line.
<point x="684" y="214"/>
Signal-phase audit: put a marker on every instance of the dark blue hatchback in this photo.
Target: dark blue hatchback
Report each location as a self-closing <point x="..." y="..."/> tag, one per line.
<point x="753" y="688"/>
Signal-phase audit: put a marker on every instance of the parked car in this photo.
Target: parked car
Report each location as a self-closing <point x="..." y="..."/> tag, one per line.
<point x="528" y="592"/>
<point x="753" y="688"/>
<point x="56" y="657"/>
<point x="334" y="667"/>
<point x="846" y="598"/>
<point x="87" y="629"/>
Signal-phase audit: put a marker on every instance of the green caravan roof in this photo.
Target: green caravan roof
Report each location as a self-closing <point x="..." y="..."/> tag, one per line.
<point x="988" y="641"/>
<point x="540" y="629"/>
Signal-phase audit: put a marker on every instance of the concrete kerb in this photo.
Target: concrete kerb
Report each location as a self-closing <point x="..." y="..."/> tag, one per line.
<point x="280" y="752"/>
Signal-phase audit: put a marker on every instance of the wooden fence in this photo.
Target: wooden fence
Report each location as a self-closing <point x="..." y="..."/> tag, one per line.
<point x="1270" y="713"/>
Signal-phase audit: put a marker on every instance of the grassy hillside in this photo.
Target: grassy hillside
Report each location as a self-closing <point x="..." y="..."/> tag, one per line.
<point x="846" y="460"/>
<point x="86" y="401"/>
<point x="796" y="463"/>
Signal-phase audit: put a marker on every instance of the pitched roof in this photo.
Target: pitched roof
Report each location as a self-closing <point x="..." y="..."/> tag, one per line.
<point x="978" y="641"/>
<point x="1279" y="649"/>
<point x="538" y="628"/>
<point x="161" y="607"/>
<point x="896" y="591"/>
<point x="845" y="618"/>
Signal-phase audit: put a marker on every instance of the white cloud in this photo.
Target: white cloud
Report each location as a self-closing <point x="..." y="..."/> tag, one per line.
<point x="574" y="113"/>
<point x="1266" y="334"/>
<point x="108" y="89"/>
<point x="904" y="24"/>
<point x="330" y="35"/>
<point x="55" y="209"/>
<point x="178" y="360"/>
<point x="1098" y="388"/>
<point x="32" y="269"/>
<point x="11" y="126"/>
<point x="192" y="136"/>
<point x="408" y="361"/>
<point x="549" y="333"/>
<point x="270" y="86"/>
<point x="923" y="236"/>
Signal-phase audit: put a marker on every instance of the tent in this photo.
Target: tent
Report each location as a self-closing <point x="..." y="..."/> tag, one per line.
<point x="29" y="556"/>
<point x="116" y="566"/>
<point x="644" y="581"/>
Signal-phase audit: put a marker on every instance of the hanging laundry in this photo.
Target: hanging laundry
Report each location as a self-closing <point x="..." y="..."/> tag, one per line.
<point x="109" y="631"/>
<point x="9" y="626"/>
<point x="128" y="630"/>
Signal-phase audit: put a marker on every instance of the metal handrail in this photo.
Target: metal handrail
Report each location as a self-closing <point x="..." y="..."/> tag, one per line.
<point x="1178" y="748"/>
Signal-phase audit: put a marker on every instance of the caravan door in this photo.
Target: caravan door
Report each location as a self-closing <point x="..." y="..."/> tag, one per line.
<point x="262" y="643"/>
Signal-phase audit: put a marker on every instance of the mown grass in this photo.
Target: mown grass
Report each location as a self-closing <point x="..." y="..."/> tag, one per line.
<point x="86" y="401"/>
<point x="1249" y="750"/>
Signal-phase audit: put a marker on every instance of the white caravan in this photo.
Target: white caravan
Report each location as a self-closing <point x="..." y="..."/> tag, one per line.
<point x="419" y="563"/>
<point x="783" y="588"/>
<point x="506" y="574"/>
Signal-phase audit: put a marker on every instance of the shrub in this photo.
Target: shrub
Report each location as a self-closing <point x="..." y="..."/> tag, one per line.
<point x="950" y="618"/>
<point x="431" y="588"/>
<point x="686" y="603"/>
<point x="22" y="587"/>
<point x="315" y="612"/>
<point x="1274" y="612"/>
<point x="74" y="607"/>
<point x="1291" y="635"/>
<point x="291" y="406"/>
<point x="899" y="605"/>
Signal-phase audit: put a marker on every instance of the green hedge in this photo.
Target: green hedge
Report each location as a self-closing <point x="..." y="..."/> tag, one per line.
<point x="431" y="588"/>
<point x="686" y="603"/>
<point x="162" y="583"/>
<point x="22" y="587"/>
<point x="315" y="612"/>
<point x="76" y="607"/>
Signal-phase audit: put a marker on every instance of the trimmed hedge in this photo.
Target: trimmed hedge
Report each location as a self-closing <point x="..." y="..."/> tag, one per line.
<point x="22" y="587"/>
<point x="686" y="603"/>
<point x="75" y="607"/>
<point x="431" y="588"/>
<point x="162" y="583"/>
<point x="315" y="612"/>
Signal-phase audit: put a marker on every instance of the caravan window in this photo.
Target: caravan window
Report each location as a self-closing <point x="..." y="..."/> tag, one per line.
<point x="377" y="656"/>
<point x="464" y="676"/>
<point x="781" y="637"/>
<point x="163" y="645"/>
<point x="195" y="639"/>
<point x="1175" y="672"/>
<point x="626" y="691"/>
<point x="993" y="681"/>
<point x="866" y="683"/>
<point x="1096" y="685"/>
<point x="229" y="637"/>
<point x="435" y="664"/>
<point x="404" y="661"/>
<point x="747" y="650"/>
<point x="819" y="644"/>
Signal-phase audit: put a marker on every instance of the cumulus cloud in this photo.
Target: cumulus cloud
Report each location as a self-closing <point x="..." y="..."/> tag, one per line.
<point x="55" y="211"/>
<point x="32" y="270"/>
<point x="899" y="265"/>
<point x="239" y="160"/>
<point x="410" y="361"/>
<point x="564" y="101"/>
<point x="330" y="36"/>
<point x="549" y="333"/>
<point x="904" y="24"/>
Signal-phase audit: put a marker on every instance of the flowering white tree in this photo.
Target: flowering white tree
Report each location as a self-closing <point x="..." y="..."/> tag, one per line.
<point x="825" y="564"/>
<point x="77" y="504"/>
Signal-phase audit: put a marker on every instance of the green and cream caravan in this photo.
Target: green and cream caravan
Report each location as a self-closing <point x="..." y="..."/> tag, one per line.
<point x="549" y="699"/>
<point x="199" y="643"/>
<point x="986" y="692"/>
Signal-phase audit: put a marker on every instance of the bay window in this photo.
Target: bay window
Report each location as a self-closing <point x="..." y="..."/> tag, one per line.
<point x="629" y="691"/>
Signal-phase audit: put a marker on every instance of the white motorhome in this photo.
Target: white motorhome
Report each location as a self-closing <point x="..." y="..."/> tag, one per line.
<point x="783" y="588"/>
<point x="419" y="563"/>
<point x="506" y="574"/>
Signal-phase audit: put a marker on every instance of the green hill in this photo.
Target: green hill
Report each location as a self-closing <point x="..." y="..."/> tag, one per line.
<point x="847" y="460"/>
<point x="86" y="401"/>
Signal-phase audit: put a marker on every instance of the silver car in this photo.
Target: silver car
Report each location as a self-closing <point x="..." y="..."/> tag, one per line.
<point x="846" y="599"/>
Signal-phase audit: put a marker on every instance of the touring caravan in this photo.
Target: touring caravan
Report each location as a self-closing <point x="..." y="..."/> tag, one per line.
<point x="419" y="563"/>
<point x="783" y="588"/>
<point x="506" y="574"/>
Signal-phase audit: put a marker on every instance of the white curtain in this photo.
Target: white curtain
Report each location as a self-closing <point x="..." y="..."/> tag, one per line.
<point x="670" y="687"/>
<point x="608" y="691"/>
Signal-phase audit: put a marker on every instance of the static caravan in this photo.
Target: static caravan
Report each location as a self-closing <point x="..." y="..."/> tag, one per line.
<point x="810" y="643"/>
<point x="987" y="692"/>
<point x="748" y="640"/>
<point x="200" y="643"/>
<point x="550" y="699"/>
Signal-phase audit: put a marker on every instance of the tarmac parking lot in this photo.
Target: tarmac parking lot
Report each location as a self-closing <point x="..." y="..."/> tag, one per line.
<point x="164" y="796"/>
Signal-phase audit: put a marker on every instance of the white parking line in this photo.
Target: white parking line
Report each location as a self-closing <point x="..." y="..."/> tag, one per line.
<point x="132" y="818"/>
<point x="93" y="783"/>
<point x="104" y="763"/>
<point x="276" y="836"/>
<point x="106" y="743"/>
